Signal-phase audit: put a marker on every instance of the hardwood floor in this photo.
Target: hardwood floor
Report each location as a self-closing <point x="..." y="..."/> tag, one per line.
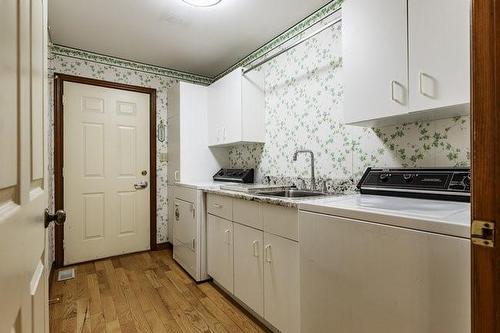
<point x="142" y="292"/>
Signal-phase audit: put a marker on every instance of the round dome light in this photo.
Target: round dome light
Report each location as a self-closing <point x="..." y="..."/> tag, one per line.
<point x="202" y="3"/>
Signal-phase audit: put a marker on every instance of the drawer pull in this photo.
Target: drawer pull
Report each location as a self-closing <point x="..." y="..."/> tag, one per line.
<point x="268" y="253"/>
<point x="218" y="206"/>
<point x="255" y="246"/>
<point x="227" y="232"/>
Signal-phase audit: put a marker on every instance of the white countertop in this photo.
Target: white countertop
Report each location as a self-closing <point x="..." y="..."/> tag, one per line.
<point x="443" y="217"/>
<point x="244" y="191"/>
<point x="201" y="185"/>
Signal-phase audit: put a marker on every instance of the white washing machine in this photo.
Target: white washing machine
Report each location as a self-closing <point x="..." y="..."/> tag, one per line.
<point x="372" y="263"/>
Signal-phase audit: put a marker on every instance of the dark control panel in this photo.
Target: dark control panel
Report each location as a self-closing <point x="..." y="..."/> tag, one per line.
<point x="445" y="184"/>
<point x="235" y="175"/>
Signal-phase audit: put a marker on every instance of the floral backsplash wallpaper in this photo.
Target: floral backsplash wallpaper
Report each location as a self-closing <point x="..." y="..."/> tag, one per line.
<point x="304" y="90"/>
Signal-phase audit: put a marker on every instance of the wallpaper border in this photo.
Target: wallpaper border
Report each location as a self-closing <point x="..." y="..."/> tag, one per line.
<point x="279" y="40"/>
<point x="128" y="64"/>
<point x="287" y="35"/>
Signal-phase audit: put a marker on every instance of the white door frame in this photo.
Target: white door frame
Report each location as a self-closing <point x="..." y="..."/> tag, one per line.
<point x="59" y="80"/>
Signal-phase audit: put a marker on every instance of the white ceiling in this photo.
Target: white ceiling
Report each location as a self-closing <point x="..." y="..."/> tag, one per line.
<point x="172" y="34"/>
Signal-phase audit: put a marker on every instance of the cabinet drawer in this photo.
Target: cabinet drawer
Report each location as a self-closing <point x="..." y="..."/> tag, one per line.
<point x="248" y="213"/>
<point x="281" y="221"/>
<point x="219" y="205"/>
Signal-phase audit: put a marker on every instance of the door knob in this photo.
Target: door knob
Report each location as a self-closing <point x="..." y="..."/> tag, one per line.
<point x="140" y="185"/>
<point x="59" y="217"/>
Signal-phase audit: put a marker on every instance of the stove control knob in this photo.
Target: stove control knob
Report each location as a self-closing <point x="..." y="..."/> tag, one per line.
<point x="408" y="177"/>
<point x="384" y="177"/>
<point x="466" y="181"/>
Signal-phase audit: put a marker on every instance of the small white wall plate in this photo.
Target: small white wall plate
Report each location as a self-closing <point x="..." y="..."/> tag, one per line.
<point x="66" y="274"/>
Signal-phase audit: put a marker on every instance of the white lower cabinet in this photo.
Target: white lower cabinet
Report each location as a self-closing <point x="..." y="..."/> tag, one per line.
<point x="248" y="267"/>
<point x="281" y="283"/>
<point x="256" y="258"/>
<point x="220" y="251"/>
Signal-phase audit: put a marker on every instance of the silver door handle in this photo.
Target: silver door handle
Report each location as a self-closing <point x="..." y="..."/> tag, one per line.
<point x="141" y="185"/>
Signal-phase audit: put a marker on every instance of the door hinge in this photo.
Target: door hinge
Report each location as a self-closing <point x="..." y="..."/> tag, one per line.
<point x="483" y="233"/>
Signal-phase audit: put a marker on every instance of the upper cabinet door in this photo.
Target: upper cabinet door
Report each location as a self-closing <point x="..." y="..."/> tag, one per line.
<point x="375" y="59"/>
<point x="439" y="43"/>
<point x="236" y="109"/>
<point x="224" y="109"/>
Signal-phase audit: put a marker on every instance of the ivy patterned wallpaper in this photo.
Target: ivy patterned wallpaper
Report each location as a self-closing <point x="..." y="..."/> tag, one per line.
<point x="60" y="63"/>
<point x="304" y="93"/>
<point x="303" y="111"/>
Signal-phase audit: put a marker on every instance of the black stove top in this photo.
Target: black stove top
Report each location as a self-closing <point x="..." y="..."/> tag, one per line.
<point x="234" y="175"/>
<point x="425" y="183"/>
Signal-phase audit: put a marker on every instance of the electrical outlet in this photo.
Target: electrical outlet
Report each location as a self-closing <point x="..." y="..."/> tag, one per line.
<point x="163" y="157"/>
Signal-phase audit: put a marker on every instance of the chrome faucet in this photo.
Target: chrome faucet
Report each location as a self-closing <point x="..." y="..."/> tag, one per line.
<point x="313" y="179"/>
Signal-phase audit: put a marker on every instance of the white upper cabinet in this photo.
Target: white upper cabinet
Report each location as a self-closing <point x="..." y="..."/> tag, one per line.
<point x="187" y="135"/>
<point x="374" y="35"/>
<point x="439" y="40"/>
<point x="403" y="63"/>
<point x="236" y="109"/>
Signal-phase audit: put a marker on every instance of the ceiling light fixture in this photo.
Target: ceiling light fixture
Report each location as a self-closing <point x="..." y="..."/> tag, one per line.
<point x="202" y="3"/>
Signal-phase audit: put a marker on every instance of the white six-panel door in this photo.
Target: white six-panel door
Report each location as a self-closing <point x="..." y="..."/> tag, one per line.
<point x="106" y="153"/>
<point x="23" y="166"/>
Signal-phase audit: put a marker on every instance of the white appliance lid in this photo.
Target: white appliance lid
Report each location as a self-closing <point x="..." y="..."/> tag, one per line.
<point x="444" y="217"/>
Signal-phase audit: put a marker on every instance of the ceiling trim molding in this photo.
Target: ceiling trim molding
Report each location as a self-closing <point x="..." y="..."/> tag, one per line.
<point x="276" y="42"/>
<point x="128" y="64"/>
<point x="287" y="35"/>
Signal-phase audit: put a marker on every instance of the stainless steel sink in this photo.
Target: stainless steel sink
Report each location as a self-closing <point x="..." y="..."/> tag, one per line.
<point x="292" y="193"/>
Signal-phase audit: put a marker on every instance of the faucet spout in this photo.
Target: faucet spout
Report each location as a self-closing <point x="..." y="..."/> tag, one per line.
<point x="313" y="178"/>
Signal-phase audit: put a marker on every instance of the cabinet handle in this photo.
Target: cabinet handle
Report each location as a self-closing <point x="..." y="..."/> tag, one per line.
<point x="227" y="232"/>
<point x="218" y="206"/>
<point x="268" y="253"/>
<point x="193" y="210"/>
<point x="393" y="97"/>
<point x="194" y="244"/>
<point x="255" y="246"/>
<point x="177" y="214"/>
<point x="422" y="75"/>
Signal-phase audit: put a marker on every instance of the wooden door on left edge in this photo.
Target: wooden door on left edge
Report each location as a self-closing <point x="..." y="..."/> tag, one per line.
<point x="23" y="166"/>
<point x="485" y="110"/>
